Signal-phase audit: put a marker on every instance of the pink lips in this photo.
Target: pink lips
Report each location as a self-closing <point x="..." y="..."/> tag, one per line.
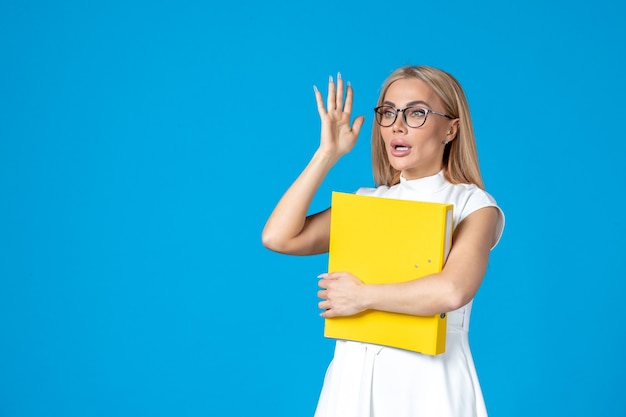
<point x="399" y="148"/>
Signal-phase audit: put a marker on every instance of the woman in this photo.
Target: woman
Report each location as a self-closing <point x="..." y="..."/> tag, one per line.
<point x="423" y="148"/>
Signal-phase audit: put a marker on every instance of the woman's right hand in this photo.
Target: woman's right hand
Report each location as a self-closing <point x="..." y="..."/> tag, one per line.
<point x="337" y="137"/>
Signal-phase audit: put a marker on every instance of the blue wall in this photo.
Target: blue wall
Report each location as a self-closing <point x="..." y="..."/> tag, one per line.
<point x="143" y="145"/>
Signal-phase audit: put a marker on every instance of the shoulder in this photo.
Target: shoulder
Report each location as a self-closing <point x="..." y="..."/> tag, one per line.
<point x="469" y="198"/>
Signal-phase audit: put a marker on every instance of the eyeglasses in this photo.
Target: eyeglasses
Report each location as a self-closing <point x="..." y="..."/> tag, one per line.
<point x="413" y="116"/>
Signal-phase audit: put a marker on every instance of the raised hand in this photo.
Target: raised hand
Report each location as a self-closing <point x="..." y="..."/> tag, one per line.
<point x="337" y="137"/>
<point x="290" y="228"/>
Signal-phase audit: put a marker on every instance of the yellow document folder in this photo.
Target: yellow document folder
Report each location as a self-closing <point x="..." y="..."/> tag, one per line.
<point x="383" y="240"/>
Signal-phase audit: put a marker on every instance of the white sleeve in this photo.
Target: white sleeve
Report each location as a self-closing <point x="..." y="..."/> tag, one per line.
<point x="480" y="199"/>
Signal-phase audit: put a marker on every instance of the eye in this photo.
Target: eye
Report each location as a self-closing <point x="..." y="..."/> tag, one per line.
<point x="416" y="113"/>
<point x="387" y="112"/>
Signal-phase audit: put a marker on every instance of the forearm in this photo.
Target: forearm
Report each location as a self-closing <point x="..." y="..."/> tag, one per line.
<point x="438" y="293"/>
<point x="453" y="287"/>
<point x="288" y="218"/>
<point x="422" y="297"/>
<point x="344" y="294"/>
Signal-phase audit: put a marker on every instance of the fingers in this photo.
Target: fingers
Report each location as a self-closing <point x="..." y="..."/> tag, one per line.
<point x="326" y="278"/>
<point x="349" y="96"/>
<point x="339" y="94"/>
<point x="335" y="95"/>
<point x="335" y="98"/>
<point x="330" y="100"/>
<point x="320" y="101"/>
<point x="329" y="313"/>
<point x="325" y="304"/>
<point x="327" y="309"/>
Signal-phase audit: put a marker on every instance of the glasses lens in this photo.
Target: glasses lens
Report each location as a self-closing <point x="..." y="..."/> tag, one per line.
<point x="415" y="116"/>
<point x="386" y="115"/>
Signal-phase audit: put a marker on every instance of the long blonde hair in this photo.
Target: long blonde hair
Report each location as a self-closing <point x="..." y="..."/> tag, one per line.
<point x="460" y="157"/>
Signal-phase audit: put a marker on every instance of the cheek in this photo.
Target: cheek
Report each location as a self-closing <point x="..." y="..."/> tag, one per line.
<point x="386" y="134"/>
<point x="433" y="136"/>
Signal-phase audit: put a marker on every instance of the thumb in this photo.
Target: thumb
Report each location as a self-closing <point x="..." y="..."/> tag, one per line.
<point x="357" y="124"/>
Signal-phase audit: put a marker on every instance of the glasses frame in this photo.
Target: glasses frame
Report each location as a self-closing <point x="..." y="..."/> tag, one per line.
<point x="403" y="111"/>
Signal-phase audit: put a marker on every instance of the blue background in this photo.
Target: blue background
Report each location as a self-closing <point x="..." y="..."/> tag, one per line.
<point x="143" y="145"/>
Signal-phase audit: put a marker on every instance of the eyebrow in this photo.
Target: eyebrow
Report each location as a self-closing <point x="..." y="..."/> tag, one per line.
<point x="409" y="104"/>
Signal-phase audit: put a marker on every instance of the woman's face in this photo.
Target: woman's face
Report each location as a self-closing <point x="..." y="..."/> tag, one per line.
<point x="416" y="151"/>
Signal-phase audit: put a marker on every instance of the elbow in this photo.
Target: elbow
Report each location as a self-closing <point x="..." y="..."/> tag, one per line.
<point x="274" y="242"/>
<point x="457" y="297"/>
<point x="269" y="241"/>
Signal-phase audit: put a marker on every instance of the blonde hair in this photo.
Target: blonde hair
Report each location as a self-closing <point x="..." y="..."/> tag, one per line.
<point x="460" y="157"/>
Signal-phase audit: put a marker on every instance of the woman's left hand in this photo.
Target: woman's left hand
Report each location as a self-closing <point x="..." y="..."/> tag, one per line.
<point x="341" y="294"/>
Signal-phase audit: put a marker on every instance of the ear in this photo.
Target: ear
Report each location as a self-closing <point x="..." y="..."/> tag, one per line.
<point x="453" y="129"/>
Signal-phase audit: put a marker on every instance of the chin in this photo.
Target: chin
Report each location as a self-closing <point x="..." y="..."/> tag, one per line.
<point x="400" y="165"/>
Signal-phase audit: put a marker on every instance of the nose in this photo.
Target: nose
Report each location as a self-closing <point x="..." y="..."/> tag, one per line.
<point x="399" y="124"/>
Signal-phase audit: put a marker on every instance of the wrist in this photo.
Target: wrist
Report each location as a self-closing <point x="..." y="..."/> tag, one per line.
<point x="368" y="296"/>
<point x="325" y="157"/>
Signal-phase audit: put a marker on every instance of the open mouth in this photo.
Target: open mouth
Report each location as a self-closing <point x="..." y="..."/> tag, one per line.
<point x="399" y="145"/>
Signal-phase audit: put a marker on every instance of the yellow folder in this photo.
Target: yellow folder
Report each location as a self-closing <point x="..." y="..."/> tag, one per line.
<point x="383" y="240"/>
